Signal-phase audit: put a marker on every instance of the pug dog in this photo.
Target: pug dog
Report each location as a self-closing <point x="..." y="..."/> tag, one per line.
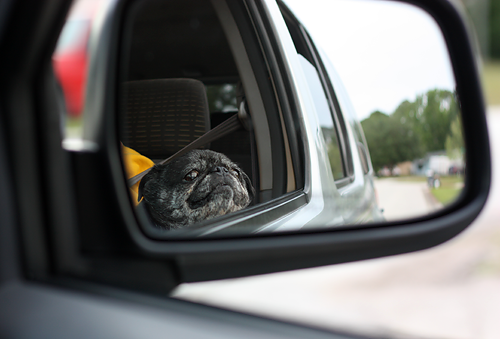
<point x="197" y="186"/>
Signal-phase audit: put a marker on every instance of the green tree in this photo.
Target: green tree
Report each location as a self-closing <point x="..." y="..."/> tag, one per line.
<point x="390" y="140"/>
<point x="455" y="141"/>
<point x="412" y="130"/>
<point x="435" y="111"/>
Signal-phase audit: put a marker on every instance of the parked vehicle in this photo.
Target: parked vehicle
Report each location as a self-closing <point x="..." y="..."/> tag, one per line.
<point x="78" y="260"/>
<point x="70" y="58"/>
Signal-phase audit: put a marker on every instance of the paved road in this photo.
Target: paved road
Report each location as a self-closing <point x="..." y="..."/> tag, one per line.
<point x="404" y="199"/>
<point x="451" y="291"/>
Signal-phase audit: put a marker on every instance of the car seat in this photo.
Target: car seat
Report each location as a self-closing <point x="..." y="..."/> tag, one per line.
<point x="164" y="115"/>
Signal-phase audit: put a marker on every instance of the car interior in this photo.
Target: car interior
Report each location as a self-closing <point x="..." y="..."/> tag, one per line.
<point x="186" y="70"/>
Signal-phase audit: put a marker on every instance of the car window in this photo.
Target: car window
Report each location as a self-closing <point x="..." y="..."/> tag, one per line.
<point x="347" y="107"/>
<point x="222" y="97"/>
<point x="325" y="118"/>
<point x="179" y="60"/>
<point x="337" y="134"/>
<point x="184" y="70"/>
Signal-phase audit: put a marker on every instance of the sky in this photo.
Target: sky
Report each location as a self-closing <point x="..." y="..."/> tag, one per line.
<point x="385" y="52"/>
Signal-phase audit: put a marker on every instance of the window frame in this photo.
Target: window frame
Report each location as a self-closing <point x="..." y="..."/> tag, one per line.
<point x="336" y="112"/>
<point x="249" y="30"/>
<point x="306" y="46"/>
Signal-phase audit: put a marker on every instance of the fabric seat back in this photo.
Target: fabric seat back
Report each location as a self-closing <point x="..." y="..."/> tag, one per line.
<point x="164" y="115"/>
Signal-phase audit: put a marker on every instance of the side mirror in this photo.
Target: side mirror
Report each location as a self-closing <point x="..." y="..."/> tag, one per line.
<point x="305" y="154"/>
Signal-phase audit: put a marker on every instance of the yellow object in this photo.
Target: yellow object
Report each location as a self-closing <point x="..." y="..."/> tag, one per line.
<point x="135" y="163"/>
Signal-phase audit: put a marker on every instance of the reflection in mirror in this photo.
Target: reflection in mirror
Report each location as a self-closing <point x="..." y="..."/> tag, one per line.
<point x="209" y="148"/>
<point x="181" y="86"/>
<point x="395" y="68"/>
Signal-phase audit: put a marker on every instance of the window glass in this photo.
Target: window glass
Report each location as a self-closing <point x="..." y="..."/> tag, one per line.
<point x="318" y="90"/>
<point x="180" y="81"/>
<point x="222" y="98"/>
<point x="325" y="118"/>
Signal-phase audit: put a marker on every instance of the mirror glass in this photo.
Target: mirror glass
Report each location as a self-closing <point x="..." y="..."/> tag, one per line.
<point x="213" y="144"/>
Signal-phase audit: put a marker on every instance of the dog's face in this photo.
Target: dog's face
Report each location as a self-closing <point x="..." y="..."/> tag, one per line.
<point x="199" y="185"/>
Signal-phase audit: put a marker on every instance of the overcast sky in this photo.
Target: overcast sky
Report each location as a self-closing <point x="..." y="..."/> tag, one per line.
<point x="384" y="52"/>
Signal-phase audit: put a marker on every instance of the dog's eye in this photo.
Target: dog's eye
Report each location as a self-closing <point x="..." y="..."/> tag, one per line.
<point x="191" y="175"/>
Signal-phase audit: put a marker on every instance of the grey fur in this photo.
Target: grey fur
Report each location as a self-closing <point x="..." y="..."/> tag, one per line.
<point x="175" y="201"/>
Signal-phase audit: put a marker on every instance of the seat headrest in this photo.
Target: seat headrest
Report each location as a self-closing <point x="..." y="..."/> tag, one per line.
<point x="164" y="115"/>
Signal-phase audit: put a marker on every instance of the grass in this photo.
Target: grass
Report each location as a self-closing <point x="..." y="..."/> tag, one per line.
<point x="451" y="181"/>
<point x="445" y="195"/>
<point x="450" y="188"/>
<point x="491" y="82"/>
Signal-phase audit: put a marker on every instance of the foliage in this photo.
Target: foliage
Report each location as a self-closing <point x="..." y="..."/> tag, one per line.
<point x="494" y="29"/>
<point x="222" y="98"/>
<point x="412" y="130"/>
<point x="390" y="140"/>
<point x="445" y="195"/>
<point x="435" y="120"/>
<point x="451" y="187"/>
<point x="454" y="141"/>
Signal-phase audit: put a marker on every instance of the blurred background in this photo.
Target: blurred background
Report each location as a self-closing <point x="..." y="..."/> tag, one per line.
<point x="450" y="291"/>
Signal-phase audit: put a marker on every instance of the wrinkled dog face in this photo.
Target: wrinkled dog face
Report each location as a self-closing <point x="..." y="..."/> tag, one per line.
<point x="199" y="185"/>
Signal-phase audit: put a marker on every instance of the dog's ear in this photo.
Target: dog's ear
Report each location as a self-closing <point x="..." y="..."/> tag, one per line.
<point x="250" y="189"/>
<point x="143" y="182"/>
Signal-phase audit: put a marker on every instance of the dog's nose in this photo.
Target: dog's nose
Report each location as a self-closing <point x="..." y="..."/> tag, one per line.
<point x="220" y="169"/>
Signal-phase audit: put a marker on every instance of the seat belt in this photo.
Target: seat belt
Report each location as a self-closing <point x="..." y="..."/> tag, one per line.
<point x="234" y="123"/>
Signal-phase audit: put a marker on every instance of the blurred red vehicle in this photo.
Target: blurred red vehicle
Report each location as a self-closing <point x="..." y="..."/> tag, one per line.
<point x="70" y="58"/>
